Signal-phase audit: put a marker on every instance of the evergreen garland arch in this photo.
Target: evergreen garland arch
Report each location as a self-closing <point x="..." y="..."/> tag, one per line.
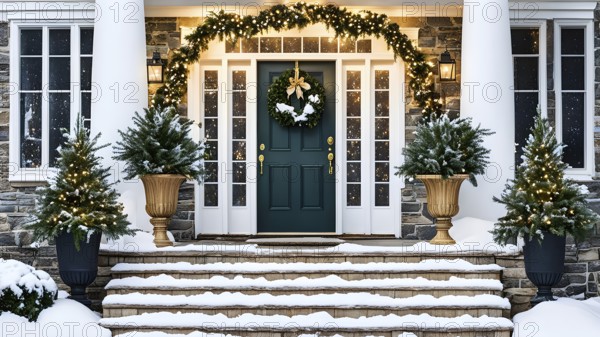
<point x="346" y="24"/>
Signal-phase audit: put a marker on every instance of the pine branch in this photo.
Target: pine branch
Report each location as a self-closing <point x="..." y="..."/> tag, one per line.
<point x="159" y="143"/>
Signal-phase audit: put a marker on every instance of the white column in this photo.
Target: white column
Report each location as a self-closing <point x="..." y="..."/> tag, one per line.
<point x="487" y="97"/>
<point x="119" y="76"/>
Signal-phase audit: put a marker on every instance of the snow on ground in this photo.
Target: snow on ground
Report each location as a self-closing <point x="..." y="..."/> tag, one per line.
<point x="15" y="274"/>
<point x="228" y="299"/>
<point x="242" y="267"/>
<point x="471" y="235"/>
<point x="66" y="318"/>
<point x="195" y="320"/>
<point x="327" y="282"/>
<point x="560" y="318"/>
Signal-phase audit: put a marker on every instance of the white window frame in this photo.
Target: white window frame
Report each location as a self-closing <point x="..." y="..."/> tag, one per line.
<point x="44" y="172"/>
<point x="587" y="171"/>
<point x="543" y="60"/>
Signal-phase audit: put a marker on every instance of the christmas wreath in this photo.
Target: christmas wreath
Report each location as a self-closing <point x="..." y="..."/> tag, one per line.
<point x="309" y="93"/>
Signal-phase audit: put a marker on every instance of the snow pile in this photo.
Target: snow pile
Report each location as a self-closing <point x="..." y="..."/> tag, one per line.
<point x="18" y="277"/>
<point x="66" y="318"/>
<point x="138" y="242"/>
<point x="564" y="317"/>
<point x="475" y="233"/>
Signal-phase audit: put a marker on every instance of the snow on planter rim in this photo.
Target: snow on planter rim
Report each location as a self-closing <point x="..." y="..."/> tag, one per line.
<point x="327" y="282"/>
<point x="349" y="300"/>
<point x="307" y="322"/>
<point x="15" y="274"/>
<point x="256" y="267"/>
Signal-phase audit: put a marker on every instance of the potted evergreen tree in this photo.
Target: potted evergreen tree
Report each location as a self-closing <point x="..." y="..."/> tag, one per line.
<point x="444" y="153"/>
<point x="76" y="208"/>
<point x="543" y="207"/>
<point x="160" y="150"/>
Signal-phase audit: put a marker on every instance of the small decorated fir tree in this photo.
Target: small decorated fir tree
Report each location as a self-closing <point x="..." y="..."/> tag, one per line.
<point x="540" y="198"/>
<point x="160" y="143"/>
<point x="79" y="199"/>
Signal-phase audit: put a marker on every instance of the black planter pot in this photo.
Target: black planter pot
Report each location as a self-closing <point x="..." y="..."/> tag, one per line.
<point x="78" y="268"/>
<point x="544" y="264"/>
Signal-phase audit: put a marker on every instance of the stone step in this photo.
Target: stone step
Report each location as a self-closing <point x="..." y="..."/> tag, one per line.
<point x="321" y="323"/>
<point x="208" y="334"/>
<point x="395" y="288"/>
<point x="279" y="255"/>
<point x="338" y="305"/>
<point x="116" y="310"/>
<point x="429" y="269"/>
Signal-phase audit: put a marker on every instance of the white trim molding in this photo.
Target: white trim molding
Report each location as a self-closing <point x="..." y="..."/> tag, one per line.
<point x="587" y="172"/>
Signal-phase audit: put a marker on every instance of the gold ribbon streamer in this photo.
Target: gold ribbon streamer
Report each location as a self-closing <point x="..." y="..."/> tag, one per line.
<point x="297" y="84"/>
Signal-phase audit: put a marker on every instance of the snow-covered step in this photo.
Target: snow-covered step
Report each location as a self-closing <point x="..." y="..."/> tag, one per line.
<point x="212" y="334"/>
<point x="430" y="269"/>
<point x="251" y="325"/>
<point x="248" y="253"/>
<point x="394" y="287"/>
<point x="352" y="305"/>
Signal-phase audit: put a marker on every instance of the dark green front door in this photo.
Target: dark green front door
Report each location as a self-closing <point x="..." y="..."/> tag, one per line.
<point x="296" y="193"/>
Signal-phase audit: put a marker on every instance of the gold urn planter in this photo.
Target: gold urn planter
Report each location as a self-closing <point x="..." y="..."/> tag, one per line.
<point x="162" y="191"/>
<point x="442" y="203"/>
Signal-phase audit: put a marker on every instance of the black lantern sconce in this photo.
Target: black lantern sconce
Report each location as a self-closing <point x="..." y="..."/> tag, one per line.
<point x="447" y="67"/>
<point x="155" y="68"/>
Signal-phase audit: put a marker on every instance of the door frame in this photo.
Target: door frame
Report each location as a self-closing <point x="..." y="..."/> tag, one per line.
<point x="216" y="59"/>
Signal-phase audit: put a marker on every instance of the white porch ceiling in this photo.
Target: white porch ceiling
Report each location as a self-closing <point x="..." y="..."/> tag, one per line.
<point x="402" y="8"/>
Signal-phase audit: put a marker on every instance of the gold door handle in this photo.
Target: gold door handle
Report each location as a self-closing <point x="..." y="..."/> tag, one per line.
<point x="261" y="158"/>
<point x="330" y="158"/>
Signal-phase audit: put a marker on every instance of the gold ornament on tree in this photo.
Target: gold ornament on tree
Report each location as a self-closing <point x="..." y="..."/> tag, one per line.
<point x="297" y="84"/>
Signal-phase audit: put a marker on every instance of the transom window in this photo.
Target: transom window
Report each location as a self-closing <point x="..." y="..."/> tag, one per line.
<point x="53" y="67"/>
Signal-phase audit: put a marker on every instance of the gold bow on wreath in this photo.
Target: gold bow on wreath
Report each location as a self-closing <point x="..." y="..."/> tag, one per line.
<point x="297" y="84"/>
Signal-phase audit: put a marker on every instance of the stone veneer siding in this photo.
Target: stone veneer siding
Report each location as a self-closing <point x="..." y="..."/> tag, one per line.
<point x="582" y="268"/>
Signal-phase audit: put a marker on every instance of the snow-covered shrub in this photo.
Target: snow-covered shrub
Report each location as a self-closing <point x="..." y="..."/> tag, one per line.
<point x="24" y="290"/>
<point x="446" y="147"/>
<point x="160" y="143"/>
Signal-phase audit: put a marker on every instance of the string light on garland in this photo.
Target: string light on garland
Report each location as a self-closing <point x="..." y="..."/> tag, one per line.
<point x="346" y="24"/>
